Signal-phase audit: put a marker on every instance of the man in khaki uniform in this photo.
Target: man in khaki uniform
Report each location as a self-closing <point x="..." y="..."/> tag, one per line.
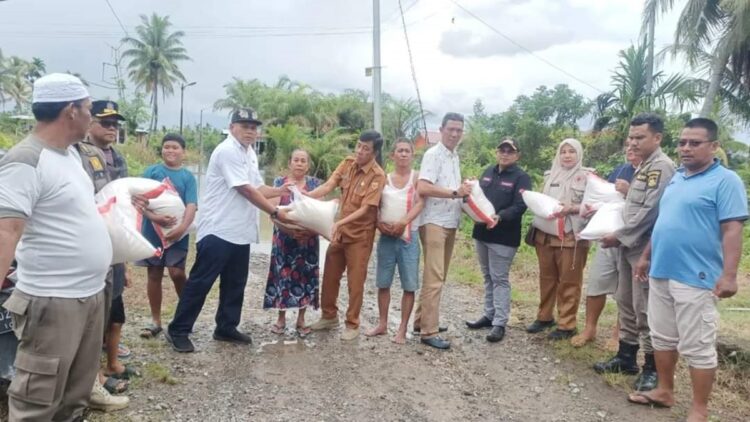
<point x="640" y="212"/>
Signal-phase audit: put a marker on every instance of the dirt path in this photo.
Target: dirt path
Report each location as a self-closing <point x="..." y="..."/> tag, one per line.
<point x="281" y="378"/>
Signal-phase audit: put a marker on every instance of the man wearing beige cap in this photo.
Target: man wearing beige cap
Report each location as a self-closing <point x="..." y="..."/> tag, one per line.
<point x="50" y="223"/>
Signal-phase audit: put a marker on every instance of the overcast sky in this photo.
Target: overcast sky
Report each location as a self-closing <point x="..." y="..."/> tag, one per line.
<point x="457" y="58"/>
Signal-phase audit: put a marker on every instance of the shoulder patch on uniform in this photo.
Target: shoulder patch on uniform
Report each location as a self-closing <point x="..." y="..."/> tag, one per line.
<point x="374" y="185"/>
<point x="653" y="178"/>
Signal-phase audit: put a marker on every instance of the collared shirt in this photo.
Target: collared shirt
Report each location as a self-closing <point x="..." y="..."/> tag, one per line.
<point x="622" y="172"/>
<point x="359" y="186"/>
<point x="65" y="250"/>
<point x="642" y="202"/>
<point x="223" y="211"/>
<point x="686" y="245"/>
<point x="440" y="166"/>
<point x="503" y="188"/>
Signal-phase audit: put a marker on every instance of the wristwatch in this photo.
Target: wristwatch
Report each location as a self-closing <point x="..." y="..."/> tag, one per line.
<point x="275" y="213"/>
<point x="455" y="194"/>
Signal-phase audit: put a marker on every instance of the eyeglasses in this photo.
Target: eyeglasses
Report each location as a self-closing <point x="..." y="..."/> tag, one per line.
<point x="693" y="143"/>
<point x="505" y="151"/>
<point x="109" y="124"/>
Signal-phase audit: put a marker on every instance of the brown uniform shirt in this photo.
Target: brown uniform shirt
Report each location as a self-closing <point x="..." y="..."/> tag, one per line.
<point x="359" y="186"/>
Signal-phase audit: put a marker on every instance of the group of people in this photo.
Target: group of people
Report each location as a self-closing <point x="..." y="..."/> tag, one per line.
<point x="666" y="285"/>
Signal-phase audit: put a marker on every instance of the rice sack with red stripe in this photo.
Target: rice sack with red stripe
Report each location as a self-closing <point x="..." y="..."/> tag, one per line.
<point x="477" y="206"/>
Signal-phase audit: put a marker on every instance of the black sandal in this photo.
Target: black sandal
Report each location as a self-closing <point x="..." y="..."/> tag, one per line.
<point x="115" y="385"/>
<point x="151" y="331"/>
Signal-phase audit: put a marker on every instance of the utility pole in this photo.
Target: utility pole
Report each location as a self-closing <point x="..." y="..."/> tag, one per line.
<point x="650" y="36"/>
<point x="376" y="86"/>
<point x="182" y="98"/>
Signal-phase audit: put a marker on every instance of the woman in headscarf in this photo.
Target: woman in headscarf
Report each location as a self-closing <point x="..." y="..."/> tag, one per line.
<point x="561" y="257"/>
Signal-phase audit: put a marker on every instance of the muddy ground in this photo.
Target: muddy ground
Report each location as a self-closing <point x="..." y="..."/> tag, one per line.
<point x="283" y="378"/>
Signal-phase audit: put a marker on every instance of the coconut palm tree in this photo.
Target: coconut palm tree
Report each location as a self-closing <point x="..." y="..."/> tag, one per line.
<point x="628" y="97"/>
<point x="721" y="27"/>
<point x="154" y="55"/>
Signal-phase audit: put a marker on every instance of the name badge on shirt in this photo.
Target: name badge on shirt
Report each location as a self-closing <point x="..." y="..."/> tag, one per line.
<point x="506" y="184"/>
<point x="486" y="179"/>
<point x="554" y="185"/>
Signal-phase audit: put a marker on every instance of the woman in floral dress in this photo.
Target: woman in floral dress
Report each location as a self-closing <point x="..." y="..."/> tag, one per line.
<point x="293" y="274"/>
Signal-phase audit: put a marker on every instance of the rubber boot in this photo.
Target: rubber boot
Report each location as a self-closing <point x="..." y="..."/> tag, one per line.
<point x="648" y="379"/>
<point x="622" y="363"/>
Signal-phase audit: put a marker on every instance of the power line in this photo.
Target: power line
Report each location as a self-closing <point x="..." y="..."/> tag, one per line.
<point x="522" y="47"/>
<point x="199" y="35"/>
<point x="413" y="71"/>
<point x="118" y="18"/>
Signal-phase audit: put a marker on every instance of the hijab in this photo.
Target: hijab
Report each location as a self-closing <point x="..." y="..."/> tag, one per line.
<point x="561" y="176"/>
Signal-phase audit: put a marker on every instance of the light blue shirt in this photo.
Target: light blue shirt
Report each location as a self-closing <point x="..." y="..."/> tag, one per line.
<point x="686" y="241"/>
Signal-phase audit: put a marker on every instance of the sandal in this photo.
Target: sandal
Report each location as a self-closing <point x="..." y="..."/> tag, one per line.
<point x="303" y="331"/>
<point x="278" y="329"/>
<point x="115" y="385"/>
<point x="122" y="351"/>
<point x="151" y="331"/>
<point x="128" y="373"/>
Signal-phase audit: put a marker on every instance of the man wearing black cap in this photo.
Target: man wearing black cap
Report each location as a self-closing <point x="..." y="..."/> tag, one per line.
<point x="496" y="246"/>
<point x="228" y="223"/>
<point x="102" y="134"/>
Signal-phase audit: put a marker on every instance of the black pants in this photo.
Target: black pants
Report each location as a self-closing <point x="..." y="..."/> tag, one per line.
<point x="215" y="257"/>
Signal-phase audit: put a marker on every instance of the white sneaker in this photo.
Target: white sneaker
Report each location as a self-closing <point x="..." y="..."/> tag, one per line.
<point x="350" y="334"/>
<point x="324" y="324"/>
<point x="101" y="399"/>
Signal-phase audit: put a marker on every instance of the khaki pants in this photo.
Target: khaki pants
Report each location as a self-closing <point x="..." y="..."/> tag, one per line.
<point x="437" y="244"/>
<point x="352" y="257"/>
<point x="684" y="318"/>
<point x="560" y="281"/>
<point x="60" y="342"/>
<point x="632" y="302"/>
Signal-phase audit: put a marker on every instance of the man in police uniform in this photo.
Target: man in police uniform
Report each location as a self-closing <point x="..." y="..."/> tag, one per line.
<point x="640" y="212"/>
<point x="103" y="164"/>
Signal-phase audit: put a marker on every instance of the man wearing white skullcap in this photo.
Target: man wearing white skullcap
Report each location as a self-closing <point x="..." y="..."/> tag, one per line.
<point x="47" y="203"/>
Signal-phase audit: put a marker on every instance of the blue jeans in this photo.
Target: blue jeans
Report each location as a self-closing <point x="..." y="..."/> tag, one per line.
<point x="215" y="257"/>
<point x="495" y="262"/>
<point x="394" y="251"/>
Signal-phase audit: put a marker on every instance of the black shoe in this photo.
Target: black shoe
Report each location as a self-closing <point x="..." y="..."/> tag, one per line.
<point x="180" y="344"/>
<point x="418" y="330"/>
<point x="233" y="336"/>
<point x="559" y="334"/>
<point x="436" y="342"/>
<point x="648" y="378"/>
<point x="496" y="334"/>
<point x="482" y="322"/>
<point x="622" y="363"/>
<point x="539" y="326"/>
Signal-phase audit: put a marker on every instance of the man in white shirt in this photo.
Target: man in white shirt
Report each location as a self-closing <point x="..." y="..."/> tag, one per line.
<point x="227" y="225"/>
<point x="47" y="203"/>
<point x="441" y="187"/>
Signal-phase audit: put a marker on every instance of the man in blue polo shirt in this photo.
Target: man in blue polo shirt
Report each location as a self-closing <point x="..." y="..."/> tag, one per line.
<point x="695" y="251"/>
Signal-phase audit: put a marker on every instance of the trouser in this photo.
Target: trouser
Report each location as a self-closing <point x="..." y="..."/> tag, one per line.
<point x="684" y="318"/>
<point x="215" y="258"/>
<point x="58" y="355"/>
<point x="352" y="257"/>
<point x="437" y="244"/>
<point x="632" y="302"/>
<point x="495" y="261"/>
<point x="560" y="281"/>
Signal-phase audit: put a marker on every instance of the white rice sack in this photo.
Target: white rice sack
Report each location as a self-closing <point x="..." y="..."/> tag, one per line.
<point x="598" y="192"/>
<point x="132" y="220"/>
<point x="477" y="206"/>
<point x="541" y="205"/>
<point x="127" y="242"/>
<point x="312" y="214"/>
<point x="166" y="203"/>
<point x="395" y="205"/>
<point x="555" y="226"/>
<point x="608" y="219"/>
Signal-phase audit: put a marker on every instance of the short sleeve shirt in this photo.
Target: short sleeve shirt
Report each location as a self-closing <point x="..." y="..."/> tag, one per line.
<point x="686" y="241"/>
<point x="440" y="166"/>
<point x="65" y="250"/>
<point x="222" y="210"/>
<point x="359" y="186"/>
<point x="184" y="182"/>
